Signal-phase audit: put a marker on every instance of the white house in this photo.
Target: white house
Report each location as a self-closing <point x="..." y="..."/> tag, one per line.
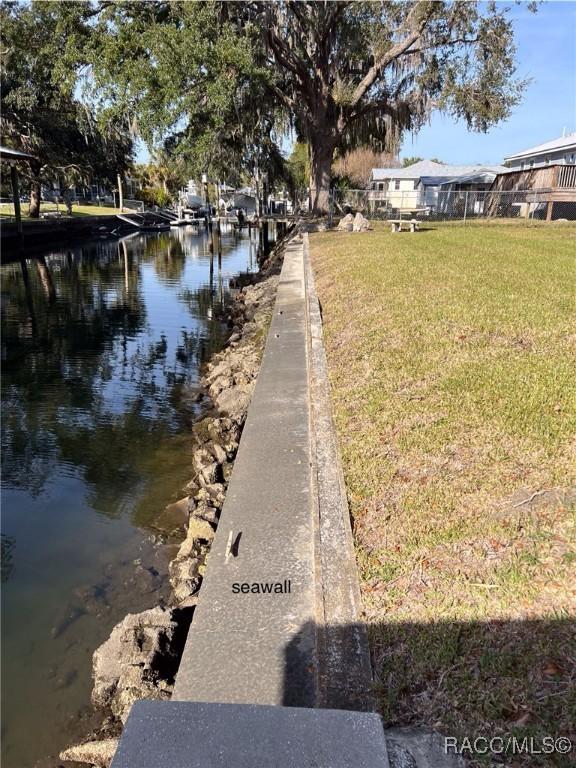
<point x="560" y="151"/>
<point x="419" y="185"/>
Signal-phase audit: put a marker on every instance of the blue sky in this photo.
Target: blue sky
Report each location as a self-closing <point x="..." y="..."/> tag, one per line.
<point x="546" y="52"/>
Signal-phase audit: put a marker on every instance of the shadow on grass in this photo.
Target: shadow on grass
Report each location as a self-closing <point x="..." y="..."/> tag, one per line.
<point x="463" y="680"/>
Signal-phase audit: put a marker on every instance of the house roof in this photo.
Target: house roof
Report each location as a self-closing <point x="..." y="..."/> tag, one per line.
<point x="564" y="142"/>
<point x="482" y="176"/>
<point x="430" y="172"/>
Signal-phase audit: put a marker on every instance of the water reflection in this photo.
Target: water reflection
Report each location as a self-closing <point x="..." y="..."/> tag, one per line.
<point x="88" y="371"/>
<point x="101" y="344"/>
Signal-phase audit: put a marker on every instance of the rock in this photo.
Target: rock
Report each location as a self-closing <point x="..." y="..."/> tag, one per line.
<point x="218" y="452"/>
<point x="242" y="378"/>
<point x="138" y="660"/>
<point x="234" y="402"/>
<point x="189" y="602"/>
<point x="227" y="469"/>
<point x="346" y="223"/>
<point x="99" y="753"/>
<point x="71" y="615"/>
<point x="361" y="224"/>
<point x="174" y="516"/>
<point x="145" y="580"/>
<point x="185" y="574"/>
<point x="205" y="512"/>
<point x="200" y="431"/>
<point x="201" y="458"/>
<point x="217" y="428"/>
<point x="192" y="487"/>
<point x="399" y="757"/>
<point x="92" y="599"/>
<point x="185" y="577"/>
<point x="219" y="384"/>
<point x="231" y="446"/>
<point x="202" y="497"/>
<point x="216" y="493"/>
<point x="198" y="530"/>
<point x="208" y="474"/>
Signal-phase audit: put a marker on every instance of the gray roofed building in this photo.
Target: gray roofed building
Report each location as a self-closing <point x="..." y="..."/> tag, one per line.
<point x="433" y="172"/>
<point x="561" y="151"/>
<point x="418" y="185"/>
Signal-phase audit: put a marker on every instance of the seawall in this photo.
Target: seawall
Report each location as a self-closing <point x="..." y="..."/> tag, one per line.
<point x="277" y="676"/>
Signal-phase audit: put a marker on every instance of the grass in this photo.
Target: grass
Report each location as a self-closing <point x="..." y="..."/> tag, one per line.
<point x="451" y="357"/>
<point x="7" y="210"/>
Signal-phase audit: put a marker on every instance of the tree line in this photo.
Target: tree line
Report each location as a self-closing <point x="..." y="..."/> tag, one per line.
<point x="218" y="86"/>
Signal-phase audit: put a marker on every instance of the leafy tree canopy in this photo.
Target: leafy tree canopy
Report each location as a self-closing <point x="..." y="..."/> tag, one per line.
<point x="218" y="82"/>
<point x="40" y="113"/>
<point x="186" y="76"/>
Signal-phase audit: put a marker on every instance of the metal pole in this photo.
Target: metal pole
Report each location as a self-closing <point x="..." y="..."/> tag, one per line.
<point x="120" y="194"/>
<point x="16" y="197"/>
<point x="465" y="205"/>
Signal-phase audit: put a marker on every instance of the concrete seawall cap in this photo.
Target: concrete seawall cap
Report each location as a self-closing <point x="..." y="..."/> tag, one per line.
<point x="204" y="735"/>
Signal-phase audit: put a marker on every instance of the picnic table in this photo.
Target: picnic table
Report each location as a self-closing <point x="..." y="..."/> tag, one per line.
<point x="413" y="223"/>
<point x="397" y="224"/>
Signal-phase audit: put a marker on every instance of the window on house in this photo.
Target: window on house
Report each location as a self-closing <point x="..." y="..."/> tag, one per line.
<point x="547" y="160"/>
<point x="381" y="186"/>
<point x="522" y="165"/>
<point x="397" y="184"/>
<point x="531" y="164"/>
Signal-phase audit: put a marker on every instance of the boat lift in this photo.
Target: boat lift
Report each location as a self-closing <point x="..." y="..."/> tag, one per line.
<point x="145" y="226"/>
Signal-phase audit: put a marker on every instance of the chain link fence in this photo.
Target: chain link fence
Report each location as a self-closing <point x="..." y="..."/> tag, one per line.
<point x="435" y="205"/>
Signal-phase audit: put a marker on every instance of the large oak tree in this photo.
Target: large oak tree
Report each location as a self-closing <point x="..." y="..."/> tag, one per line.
<point x="219" y="81"/>
<point x="360" y="74"/>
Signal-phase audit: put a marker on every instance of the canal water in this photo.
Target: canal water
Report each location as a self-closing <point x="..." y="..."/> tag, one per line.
<point x="101" y="348"/>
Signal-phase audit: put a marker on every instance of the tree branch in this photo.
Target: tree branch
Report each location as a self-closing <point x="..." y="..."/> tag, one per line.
<point x="284" y="98"/>
<point x="447" y="43"/>
<point x="394" y="52"/>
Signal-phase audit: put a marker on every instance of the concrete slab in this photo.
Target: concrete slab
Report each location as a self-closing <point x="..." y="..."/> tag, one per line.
<point x="254" y="647"/>
<point x="211" y="735"/>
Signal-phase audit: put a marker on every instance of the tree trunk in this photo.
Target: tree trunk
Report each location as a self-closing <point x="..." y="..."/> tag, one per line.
<point x="35" y="192"/>
<point x="46" y="278"/>
<point x="321" y="153"/>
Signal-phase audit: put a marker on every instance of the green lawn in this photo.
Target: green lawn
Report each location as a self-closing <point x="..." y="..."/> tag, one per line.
<point x="451" y="356"/>
<point x="7" y="209"/>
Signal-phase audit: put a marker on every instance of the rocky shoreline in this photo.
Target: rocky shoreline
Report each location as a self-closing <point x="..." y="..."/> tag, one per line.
<point x="141" y="657"/>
